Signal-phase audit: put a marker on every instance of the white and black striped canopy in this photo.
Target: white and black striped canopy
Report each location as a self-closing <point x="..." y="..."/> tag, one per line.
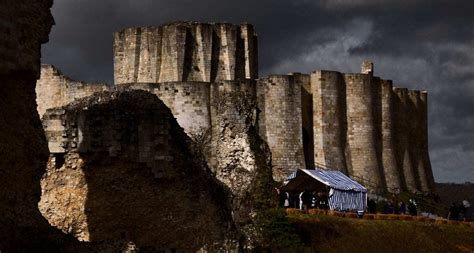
<point x="344" y="193"/>
<point x="332" y="178"/>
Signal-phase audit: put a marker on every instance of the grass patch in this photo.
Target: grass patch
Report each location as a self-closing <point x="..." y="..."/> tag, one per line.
<point x="322" y="233"/>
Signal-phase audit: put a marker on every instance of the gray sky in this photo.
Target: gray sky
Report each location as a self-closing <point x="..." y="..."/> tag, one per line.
<point x="419" y="44"/>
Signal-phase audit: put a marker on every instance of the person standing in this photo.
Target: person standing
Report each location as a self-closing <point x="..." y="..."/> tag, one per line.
<point x="372" y="206"/>
<point x="286" y="203"/>
<point x="468" y="210"/>
<point x="453" y="212"/>
<point x="402" y="208"/>
<point x="412" y="208"/>
<point x="306" y="200"/>
<point x="301" y="200"/>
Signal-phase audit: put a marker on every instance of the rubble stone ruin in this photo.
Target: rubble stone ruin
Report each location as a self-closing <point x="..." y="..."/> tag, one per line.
<point x="124" y="169"/>
<point x="354" y="122"/>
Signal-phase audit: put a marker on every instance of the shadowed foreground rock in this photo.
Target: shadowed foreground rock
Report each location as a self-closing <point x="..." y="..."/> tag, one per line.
<point x="24" y="26"/>
<point x="122" y="168"/>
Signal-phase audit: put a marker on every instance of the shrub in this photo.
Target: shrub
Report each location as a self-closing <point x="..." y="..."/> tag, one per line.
<point x="275" y="231"/>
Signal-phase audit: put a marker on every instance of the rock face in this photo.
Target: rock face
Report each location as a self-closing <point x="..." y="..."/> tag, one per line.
<point x="24" y="26"/>
<point x="242" y="158"/>
<point x="124" y="168"/>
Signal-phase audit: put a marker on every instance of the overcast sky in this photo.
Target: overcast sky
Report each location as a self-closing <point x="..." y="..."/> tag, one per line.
<point x="419" y="44"/>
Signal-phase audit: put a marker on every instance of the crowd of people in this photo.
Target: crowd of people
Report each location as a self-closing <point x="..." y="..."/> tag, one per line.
<point x="461" y="212"/>
<point x="393" y="207"/>
<point x="303" y="200"/>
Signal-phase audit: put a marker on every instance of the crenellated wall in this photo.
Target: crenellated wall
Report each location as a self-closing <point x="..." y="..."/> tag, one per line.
<point x="185" y="51"/>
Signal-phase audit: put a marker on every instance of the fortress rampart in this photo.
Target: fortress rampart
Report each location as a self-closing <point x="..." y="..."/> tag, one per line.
<point x="354" y="122"/>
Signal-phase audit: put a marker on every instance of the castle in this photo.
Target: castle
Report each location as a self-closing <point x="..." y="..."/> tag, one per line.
<point x="354" y="122"/>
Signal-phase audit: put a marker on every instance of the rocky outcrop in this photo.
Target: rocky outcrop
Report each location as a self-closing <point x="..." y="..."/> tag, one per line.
<point x="242" y="158"/>
<point x="124" y="169"/>
<point x="24" y="26"/>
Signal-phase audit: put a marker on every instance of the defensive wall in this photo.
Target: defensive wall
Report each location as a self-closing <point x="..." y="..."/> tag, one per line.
<point x="354" y="122"/>
<point x="56" y="90"/>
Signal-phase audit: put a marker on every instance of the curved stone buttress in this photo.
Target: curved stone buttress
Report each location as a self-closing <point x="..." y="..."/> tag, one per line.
<point x="425" y="156"/>
<point x="185" y="51"/>
<point x="281" y="117"/>
<point x="361" y="131"/>
<point x="387" y="104"/>
<point x="329" y="111"/>
<point x="404" y="159"/>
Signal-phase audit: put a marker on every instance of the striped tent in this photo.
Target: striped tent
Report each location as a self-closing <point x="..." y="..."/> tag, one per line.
<point x="344" y="194"/>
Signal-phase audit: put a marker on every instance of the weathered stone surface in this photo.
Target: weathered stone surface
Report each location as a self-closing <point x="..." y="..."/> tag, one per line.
<point x="185" y="52"/>
<point x="393" y="174"/>
<point x="241" y="157"/>
<point x="53" y="89"/>
<point x="361" y="132"/>
<point x="354" y="123"/>
<point x="24" y="26"/>
<point x="329" y="110"/>
<point x="402" y="130"/>
<point x="128" y="172"/>
<point x="280" y="122"/>
<point x="189" y="102"/>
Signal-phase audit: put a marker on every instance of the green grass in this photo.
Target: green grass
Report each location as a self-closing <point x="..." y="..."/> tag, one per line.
<point x="334" y="234"/>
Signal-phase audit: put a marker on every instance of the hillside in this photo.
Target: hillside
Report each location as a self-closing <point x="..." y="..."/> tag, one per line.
<point x="322" y="233"/>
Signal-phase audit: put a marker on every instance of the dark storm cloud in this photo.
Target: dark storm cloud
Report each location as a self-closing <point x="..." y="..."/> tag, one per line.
<point x="419" y="44"/>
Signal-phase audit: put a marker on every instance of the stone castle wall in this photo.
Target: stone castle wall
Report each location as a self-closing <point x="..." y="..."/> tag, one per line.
<point x="360" y="125"/>
<point x="280" y="120"/>
<point x="357" y="123"/>
<point x="57" y="90"/>
<point x="185" y="51"/>
<point x="125" y="164"/>
<point x="361" y="129"/>
<point x="327" y="88"/>
<point x="189" y="101"/>
<point x="393" y="177"/>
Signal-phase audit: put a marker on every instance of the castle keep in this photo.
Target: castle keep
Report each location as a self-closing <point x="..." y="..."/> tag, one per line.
<point x="354" y="122"/>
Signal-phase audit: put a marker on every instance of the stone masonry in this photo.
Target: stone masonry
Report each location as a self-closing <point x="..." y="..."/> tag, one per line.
<point x="357" y="123"/>
<point x="122" y="168"/>
<point x="58" y="90"/>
